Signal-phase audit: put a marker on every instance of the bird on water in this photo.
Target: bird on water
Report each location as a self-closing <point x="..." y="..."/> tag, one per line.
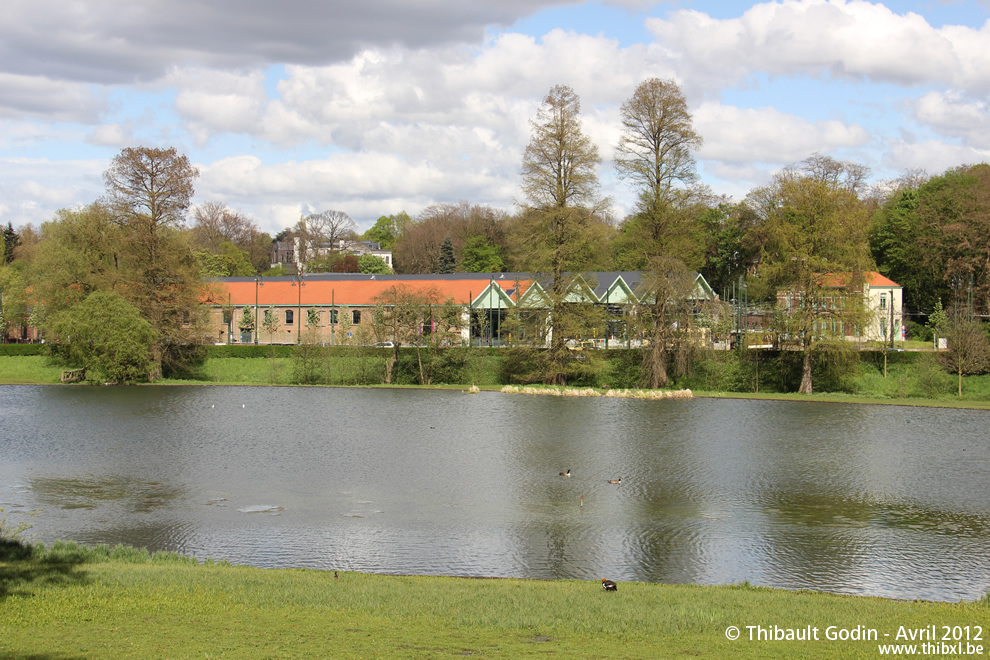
<point x="566" y="474"/>
<point x="608" y="585"/>
<point x="615" y="481"/>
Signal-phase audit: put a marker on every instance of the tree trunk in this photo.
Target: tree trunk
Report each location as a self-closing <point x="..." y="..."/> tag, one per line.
<point x="656" y="361"/>
<point x="806" y="373"/>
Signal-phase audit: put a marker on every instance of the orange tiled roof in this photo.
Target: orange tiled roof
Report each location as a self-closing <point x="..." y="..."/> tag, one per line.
<point x="872" y="278"/>
<point x="352" y="292"/>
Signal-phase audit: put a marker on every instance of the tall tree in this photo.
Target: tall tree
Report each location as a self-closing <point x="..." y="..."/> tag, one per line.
<point x="560" y="182"/>
<point x="9" y="240"/>
<point x="655" y="154"/>
<point x="816" y="257"/>
<point x="148" y="192"/>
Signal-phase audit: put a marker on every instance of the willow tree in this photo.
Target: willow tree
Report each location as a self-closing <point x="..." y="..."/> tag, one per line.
<point x="816" y="257"/>
<point x="655" y="154"/>
<point x="560" y="183"/>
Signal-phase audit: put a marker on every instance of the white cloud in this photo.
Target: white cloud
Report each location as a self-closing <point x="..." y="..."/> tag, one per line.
<point x="218" y="101"/>
<point x="33" y="194"/>
<point x="112" y="41"/>
<point x="358" y="184"/>
<point x="766" y="135"/>
<point x="933" y="156"/>
<point x="39" y="96"/>
<point x="111" y="135"/>
<point x="840" y="39"/>
<point x="950" y="114"/>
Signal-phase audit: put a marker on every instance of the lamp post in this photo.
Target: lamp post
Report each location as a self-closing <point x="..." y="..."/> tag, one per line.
<point x="299" y="281"/>
<point x="891" y="318"/>
<point x="743" y="320"/>
<point x="257" y="283"/>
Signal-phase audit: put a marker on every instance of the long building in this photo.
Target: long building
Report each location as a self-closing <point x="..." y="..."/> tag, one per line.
<point x="336" y="308"/>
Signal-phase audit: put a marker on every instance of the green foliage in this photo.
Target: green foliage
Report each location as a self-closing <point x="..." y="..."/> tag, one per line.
<point x="23" y="349"/>
<point x="278" y="270"/>
<point x="106" y="335"/>
<point x="387" y="229"/>
<point x="479" y="255"/>
<point x="370" y="264"/>
<point x="231" y="262"/>
<point x="247" y="322"/>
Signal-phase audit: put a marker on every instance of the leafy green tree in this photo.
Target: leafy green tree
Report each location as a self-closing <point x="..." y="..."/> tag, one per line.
<point x="248" y="321"/>
<point x="81" y="251"/>
<point x="278" y="270"/>
<point x="370" y="264"/>
<point x="481" y="256"/>
<point x="15" y="297"/>
<point x="107" y="336"/>
<point x="560" y="183"/>
<point x="387" y="229"/>
<point x="938" y="321"/>
<point x="271" y="322"/>
<point x="231" y="262"/>
<point x="448" y="262"/>
<point x="816" y="256"/>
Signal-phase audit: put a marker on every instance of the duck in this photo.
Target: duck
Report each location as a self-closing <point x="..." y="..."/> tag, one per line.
<point x="608" y="585"/>
<point x="616" y="481"/>
<point x="566" y="474"/>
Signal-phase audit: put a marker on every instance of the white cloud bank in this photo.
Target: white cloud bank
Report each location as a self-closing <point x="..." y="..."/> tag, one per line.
<point x="376" y="110"/>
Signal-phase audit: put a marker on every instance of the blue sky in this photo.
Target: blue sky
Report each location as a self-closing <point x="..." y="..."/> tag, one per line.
<point x="372" y="108"/>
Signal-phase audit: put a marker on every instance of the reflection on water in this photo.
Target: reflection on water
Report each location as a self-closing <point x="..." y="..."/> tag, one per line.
<point x="90" y="492"/>
<point x="855" y="499"/>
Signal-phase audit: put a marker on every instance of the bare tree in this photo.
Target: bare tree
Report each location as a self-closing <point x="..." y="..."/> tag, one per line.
<point x="969" y="351"/>
<point x="321" y="231"/>
<point x="215" y="223"/>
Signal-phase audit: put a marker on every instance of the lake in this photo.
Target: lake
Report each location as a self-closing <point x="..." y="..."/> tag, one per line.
<point x="879" y="500"/>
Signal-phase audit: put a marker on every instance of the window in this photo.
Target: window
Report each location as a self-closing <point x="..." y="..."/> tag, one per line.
<point x="883" y="301"/>
<point x="333" y="317"/>
<point x="355" y="316"/>
<point x="289" y="317"/>
<point x="313" y="317"/>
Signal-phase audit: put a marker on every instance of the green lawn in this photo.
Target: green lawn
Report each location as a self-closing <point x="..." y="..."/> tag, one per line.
<point x="68" y="603"/>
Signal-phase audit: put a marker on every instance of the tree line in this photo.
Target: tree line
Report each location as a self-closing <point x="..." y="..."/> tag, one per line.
<point x="928" y="233"/>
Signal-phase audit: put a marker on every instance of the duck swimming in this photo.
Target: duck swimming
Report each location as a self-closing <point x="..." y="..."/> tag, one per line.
<point x="566" y="474"/>
<point x="615" y="481"/>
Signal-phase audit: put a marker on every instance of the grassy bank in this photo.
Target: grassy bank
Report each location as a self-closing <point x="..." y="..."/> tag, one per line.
<point x="70" y="602"/>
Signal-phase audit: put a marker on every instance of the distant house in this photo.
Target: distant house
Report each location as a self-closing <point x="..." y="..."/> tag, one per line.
<point x="361" y="248"/>
<point x="883" y="303"/>
<point x="293" y="255"/>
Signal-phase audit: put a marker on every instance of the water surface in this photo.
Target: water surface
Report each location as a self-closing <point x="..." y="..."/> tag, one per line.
<point x="880" y="500"/>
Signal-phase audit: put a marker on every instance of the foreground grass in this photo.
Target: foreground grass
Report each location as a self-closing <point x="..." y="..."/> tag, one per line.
<point x="70" y="602"/>
<point x="27" y="370"/>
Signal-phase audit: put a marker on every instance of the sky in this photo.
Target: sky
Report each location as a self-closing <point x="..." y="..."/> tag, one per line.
<point x="299" y="106"/>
